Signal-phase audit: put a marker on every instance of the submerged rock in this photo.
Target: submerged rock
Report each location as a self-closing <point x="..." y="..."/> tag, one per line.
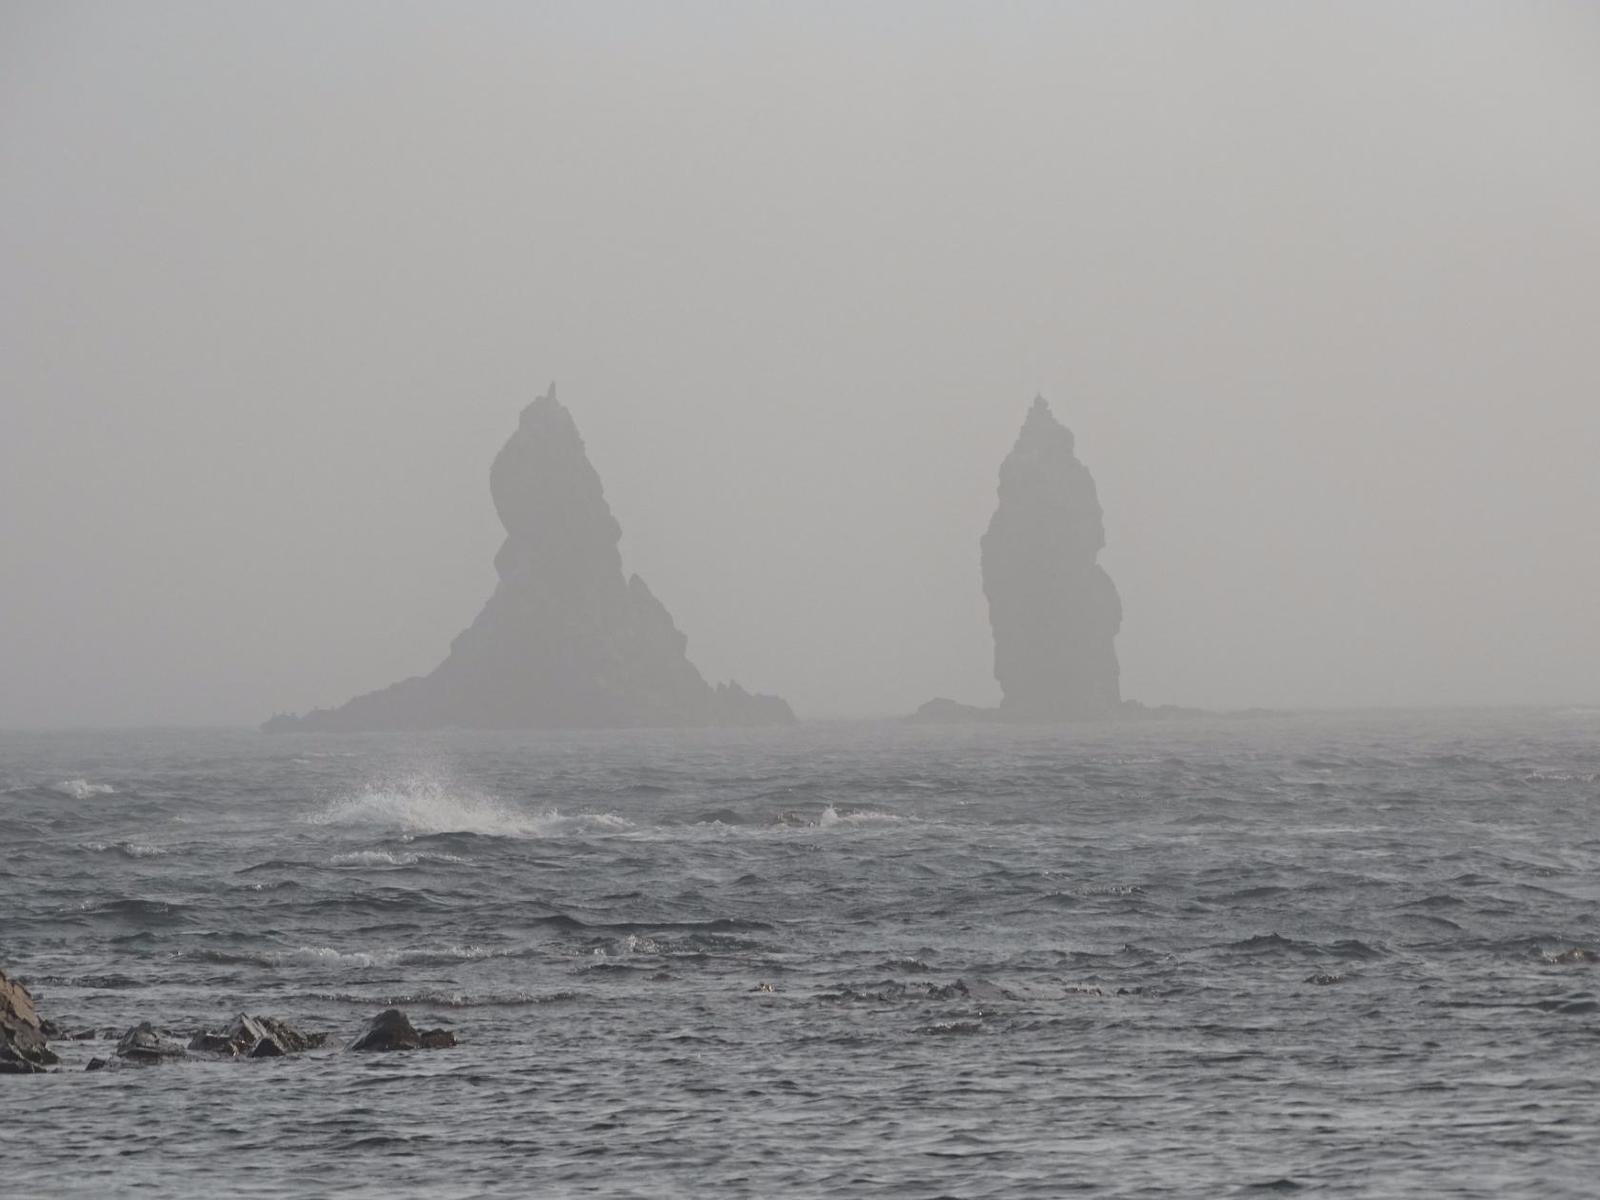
<point x="566" y="640"/>
<point x="24" y="1048"/>
<point x="392" y="1030"/>
<point x="256" y="1037"/>
<point x="1054" y="611"/>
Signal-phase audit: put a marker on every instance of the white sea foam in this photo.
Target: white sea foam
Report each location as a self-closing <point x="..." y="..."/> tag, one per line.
<point x="832" y="816"/>
<point x="632" y="944"/>
<point x="424" y="804"/>
<point x="82" y="789"/>
<point x="131" y="849"/>
<point x="390" y="858"/>
<point x="327" y="956"/>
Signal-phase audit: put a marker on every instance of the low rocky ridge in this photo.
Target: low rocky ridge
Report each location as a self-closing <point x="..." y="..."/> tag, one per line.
<point x="264" y="1037"/>
<point x="256" y="1037"/>
<point x="25" y="1048"/>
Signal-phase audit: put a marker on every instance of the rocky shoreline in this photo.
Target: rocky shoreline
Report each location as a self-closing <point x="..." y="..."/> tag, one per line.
<point x="25" y="1038"/>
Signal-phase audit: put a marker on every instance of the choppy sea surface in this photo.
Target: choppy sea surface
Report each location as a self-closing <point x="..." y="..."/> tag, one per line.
<point x="1325" y="954"/>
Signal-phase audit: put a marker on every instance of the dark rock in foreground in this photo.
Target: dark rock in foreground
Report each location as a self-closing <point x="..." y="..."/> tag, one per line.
<point x="24" y="1048"/>
<point x="1054" y="611"/>
<point x="256" y="1037"/>
<point x="392" y="1030"/>
<point x="146" y="1045"/>
<point x="566" y="640"/>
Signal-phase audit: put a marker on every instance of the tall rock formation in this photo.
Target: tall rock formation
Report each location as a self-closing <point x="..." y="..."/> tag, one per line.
<point x="565" y="641"/>
<point x="1054" y="610"/>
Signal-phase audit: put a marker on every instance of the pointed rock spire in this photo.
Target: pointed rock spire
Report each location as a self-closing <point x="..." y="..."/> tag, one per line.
<point x="566" y="640"/>
<point x="1054" y="611"/>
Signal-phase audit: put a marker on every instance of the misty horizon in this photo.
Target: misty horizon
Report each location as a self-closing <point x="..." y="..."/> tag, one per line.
<point x="278" y="284"/>
<point x="1047" y="643"/>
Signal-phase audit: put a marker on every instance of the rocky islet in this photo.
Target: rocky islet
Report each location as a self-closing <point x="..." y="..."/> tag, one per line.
<point x="566" y="640"/>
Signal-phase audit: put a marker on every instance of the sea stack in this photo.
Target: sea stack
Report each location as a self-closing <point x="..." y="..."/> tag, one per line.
<point x="566" y="640"/>
<point x="1053" y="609"/>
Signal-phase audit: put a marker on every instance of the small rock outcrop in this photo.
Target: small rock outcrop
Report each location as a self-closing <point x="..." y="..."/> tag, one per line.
<point x="1054" y="611"/>
<point x="392" y="1030"/>
<point x="566" y="640"/>
<point x="942" y="711"/>
<point x="147" y="1045"/>
<point x="24" y="1048"/>
<point x="255" y="1037"/>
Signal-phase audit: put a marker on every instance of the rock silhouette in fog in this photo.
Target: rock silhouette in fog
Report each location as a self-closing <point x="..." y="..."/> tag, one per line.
<point x="566" y="640"/>
<point x="1053" y="609"/>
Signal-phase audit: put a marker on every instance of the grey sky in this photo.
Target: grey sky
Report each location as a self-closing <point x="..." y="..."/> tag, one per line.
<point x="1314" y="285"/>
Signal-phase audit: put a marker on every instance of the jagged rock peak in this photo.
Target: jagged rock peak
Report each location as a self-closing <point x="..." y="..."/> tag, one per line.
<point x="1053" y="609"/>
<point x="566" y="640"/>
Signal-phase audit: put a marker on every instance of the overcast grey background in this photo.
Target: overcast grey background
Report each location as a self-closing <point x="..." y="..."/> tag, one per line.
<point x="1315" y="286"/>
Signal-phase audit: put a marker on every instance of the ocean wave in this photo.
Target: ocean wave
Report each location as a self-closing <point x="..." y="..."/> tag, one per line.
<point x="138" y="908"/>
<point x="1276" y="943"/>
<point x="126" y="849"/>
<point x="437" y="999"/>
<point x="1561" y="777"/>
<point x="422" y="805"/>
<point x="390" y="858"/>
<point x="329" y="956"/>
<point x="82" y="789"/>
<point x="831" y="816"/>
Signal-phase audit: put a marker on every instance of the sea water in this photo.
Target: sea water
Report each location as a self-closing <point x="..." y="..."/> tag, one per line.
<point x="1350" y="955"/>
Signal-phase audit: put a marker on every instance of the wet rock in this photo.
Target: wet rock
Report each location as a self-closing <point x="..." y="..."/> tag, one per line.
<point x="24" y="1046"/>
<point x="97" y="1064"/>
<point x="256" y="1037"/>
<point x="146" y="1045"/>
<point x="566" y="640"/>
<point x="392" y="1030"/>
